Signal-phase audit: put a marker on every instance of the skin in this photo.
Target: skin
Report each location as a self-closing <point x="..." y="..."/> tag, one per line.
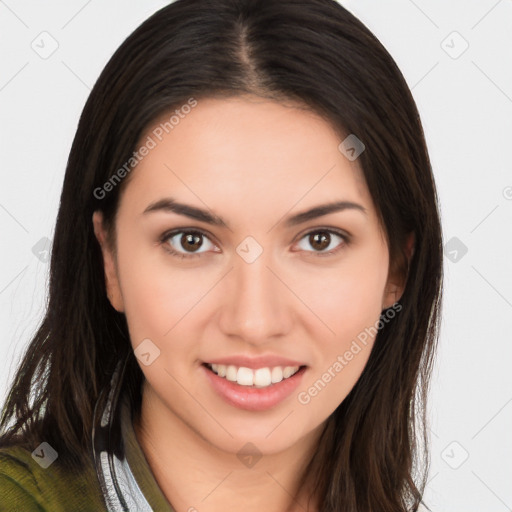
<point x="253" y="162"/>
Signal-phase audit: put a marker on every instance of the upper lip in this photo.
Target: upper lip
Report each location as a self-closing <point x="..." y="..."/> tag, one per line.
<point x="255" y="362"/>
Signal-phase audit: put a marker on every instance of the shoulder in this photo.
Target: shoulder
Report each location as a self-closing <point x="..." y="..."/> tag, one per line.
<point x="17" y="485"/>
<point x="34" y="481"/>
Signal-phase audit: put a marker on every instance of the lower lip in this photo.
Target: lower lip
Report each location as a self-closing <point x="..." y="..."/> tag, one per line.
<point x="254" y="399"/>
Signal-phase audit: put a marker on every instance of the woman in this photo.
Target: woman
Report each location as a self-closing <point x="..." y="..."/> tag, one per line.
<point x="245" y="279"/>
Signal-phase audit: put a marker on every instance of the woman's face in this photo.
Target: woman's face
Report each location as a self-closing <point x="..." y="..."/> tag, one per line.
<point x="237" y="276"/>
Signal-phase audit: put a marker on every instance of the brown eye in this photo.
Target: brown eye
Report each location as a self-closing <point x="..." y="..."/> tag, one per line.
<point x="323" y="241"/>
<point x="186" y="244"/>
<point x="320" y="240"/>
<point x="191" y="241"/>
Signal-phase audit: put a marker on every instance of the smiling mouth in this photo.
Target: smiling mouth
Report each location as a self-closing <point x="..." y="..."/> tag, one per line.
<point x="255" y="378"/>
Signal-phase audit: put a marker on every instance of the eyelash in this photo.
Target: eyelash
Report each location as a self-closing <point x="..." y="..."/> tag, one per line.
<point x="170" y="234"/>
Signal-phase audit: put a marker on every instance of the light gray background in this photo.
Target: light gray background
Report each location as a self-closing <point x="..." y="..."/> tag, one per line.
<point x="465" y="101"/>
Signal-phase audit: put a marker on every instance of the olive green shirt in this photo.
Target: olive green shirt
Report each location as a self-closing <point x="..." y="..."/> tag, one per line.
<point x="25" y="485"/>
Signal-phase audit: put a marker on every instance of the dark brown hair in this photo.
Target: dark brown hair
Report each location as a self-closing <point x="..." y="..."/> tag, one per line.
<point x="318" y="54"/>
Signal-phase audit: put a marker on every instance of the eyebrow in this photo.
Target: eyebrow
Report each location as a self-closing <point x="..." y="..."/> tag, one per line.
<point x="172" y="206"/>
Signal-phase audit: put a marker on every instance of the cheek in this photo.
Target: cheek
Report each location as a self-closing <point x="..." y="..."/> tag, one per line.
<point x="346" y="298"/>
<point x="349" y="302"/>
<point x="155" y="297"/>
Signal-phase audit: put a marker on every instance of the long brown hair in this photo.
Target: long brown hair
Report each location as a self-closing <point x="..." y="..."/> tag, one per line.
<point x="311" y="51"/>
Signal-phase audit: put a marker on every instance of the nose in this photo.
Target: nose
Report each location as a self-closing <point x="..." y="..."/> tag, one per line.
<point x="257" y="305"/>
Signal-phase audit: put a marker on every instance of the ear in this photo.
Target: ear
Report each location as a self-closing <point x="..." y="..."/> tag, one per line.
<point x="109" y="263"/>
<point x="397" y="277"/>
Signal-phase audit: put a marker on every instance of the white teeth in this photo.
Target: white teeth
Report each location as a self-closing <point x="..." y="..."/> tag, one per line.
<point x="261" y="377"/>
<point x="245" y="376"/>
<point x="277" y="374"/>
<point x="231" y="373"/>
<point x="288" y="372"/>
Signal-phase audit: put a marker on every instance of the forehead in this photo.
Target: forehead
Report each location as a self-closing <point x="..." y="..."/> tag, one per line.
<point x="245" y="149"/>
